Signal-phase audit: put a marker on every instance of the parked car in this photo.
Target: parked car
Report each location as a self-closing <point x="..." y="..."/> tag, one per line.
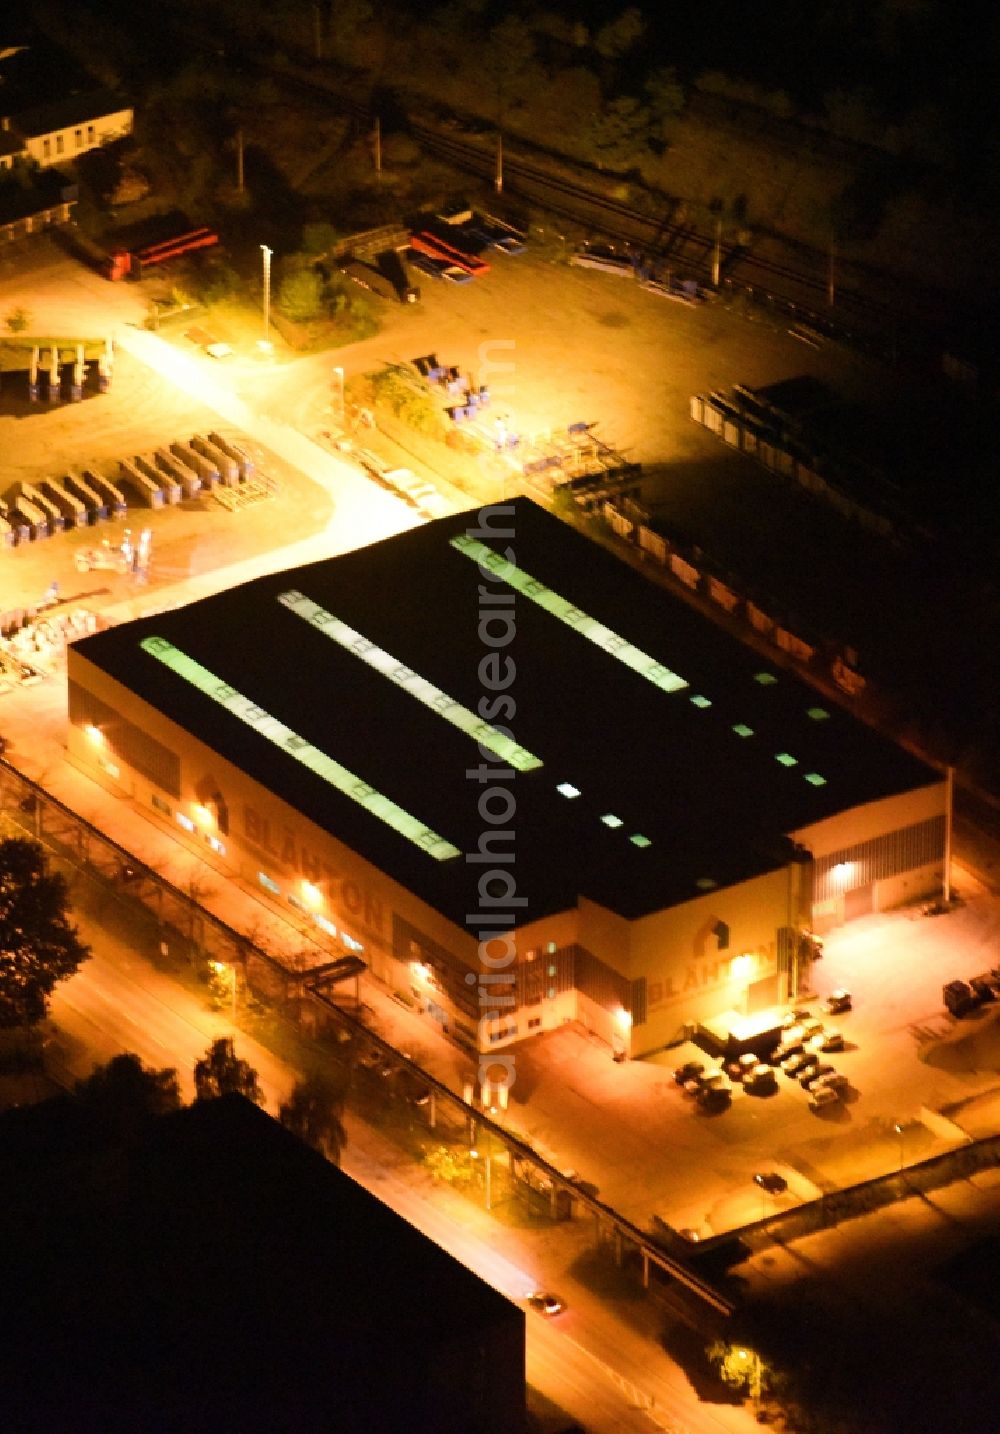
<point x="690" y="1070"/>
<point x="793" y="1065"/>
<point x="837" y="1002"/>
<point x="772" y="1182"/>
<point x="545" y="1303"/>
<point x="833" y="1080"/>
<point x="715" y="1097"/>
<point x="823" y="1097"/>
<point x="747" y="1061"/>
<point x="959" y="998"/>
<point x="825" y="1041"/>
<point x="983" y="988"/>
<point x="794" y="1018"/>
<point x="813" y="1072"/>
<point x="761" y="1080"/>
<point x="811" y="1028"/>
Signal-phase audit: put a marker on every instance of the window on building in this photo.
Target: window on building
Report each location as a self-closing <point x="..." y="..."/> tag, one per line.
<point x="268" y="883"/>
<point x="90" y="134"/>
<point x="721" y="933"/>
<point x="183" y="820"/>
<point x="59" y="144"/>
<point x="217" y="846"/>
<point x="551" y="948"/>
<point x="552" y="993"/>
<point x="534" y="1023"/>
<point x="505" y="1033"/>
<point x="78" y="138"/>
<point x="552" y="970"/>
<point x="161" y="806"/>
<point x="46" y="149"/>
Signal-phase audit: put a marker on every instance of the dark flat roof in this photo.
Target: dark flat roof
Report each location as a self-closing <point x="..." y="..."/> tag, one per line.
<point x="213" y="1273"/>
<point x="67" y="110"/>
<point x="715" y="806"/>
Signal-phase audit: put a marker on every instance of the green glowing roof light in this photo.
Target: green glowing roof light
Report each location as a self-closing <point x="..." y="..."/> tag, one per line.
<point x="818" y="714"/>
<point x="699" y="701"/>
<point x="567" y="789"/>
<point x="766" y="679"/>
<point x="492" y="738"/>
<point x="706" y="883"/>
<point x="742" y="730"/>
<point x="618" y="647"/>
<point x="786" y="759"/>
<point x="815" y="779"/>
<point x="610" y="820"/>
<point x="303" y="751"/>
<point x="639" y="840"/>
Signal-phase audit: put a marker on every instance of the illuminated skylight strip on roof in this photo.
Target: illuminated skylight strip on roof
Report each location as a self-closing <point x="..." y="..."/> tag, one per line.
<point x="492" y="738"/>
<point x="298" y="747"/>
<point x="560" y="607"/>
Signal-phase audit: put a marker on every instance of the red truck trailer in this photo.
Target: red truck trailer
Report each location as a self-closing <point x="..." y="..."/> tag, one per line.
<point x="130" y="263"/>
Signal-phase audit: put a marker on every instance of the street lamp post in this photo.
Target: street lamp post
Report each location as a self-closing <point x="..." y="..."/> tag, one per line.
<point x="266" y="257"/>
<point x="899" y="1129"/>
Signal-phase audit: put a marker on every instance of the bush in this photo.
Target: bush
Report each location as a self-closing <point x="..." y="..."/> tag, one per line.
<point x="300" y="295"/>
<point x="17" y="320"/>
<point x="392" y="389"/>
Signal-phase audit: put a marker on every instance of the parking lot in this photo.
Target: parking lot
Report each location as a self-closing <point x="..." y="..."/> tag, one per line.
<point x="630" y="1131"/>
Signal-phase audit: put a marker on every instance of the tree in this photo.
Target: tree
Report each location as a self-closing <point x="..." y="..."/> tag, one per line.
<point x="222" y="1072"/>
<point x="449" y="1166"/>
<point x="300" y="295"/>
<point x="123" y="1094"/>
<point x="619" y="133"/>
<point x="665" y="96"/>
<point x="17" y="320"/>
<point x="740" y="1368"/>
<point x="620" y="35"/>
<point x="38" y="945"/>
<point x="510" y="58"/>
<point x="314" y="1112"/>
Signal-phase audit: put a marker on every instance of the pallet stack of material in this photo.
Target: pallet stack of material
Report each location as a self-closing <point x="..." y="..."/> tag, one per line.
<point x="145" y="489"/>
<point x="73" y="511"/>
<point x="171" y="488"/>
<point x="34" y="518"/>
<point x="229" y="469"/>
<point x="54" y="520"/>
<point x="113" y="497"/>
<point x="95" y="504"/>
<point x="242" y="460"/>
<point x="206" y="470"/>
<point x="172" y="467"/>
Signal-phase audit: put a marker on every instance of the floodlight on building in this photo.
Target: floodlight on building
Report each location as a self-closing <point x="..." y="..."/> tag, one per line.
<point x="202" y="814"/>
<point x="741" y="966"/>
<point x="311" y="893"/>
<point x="843" y="872"/>
<point x="94" y="734"/>
<point x="623" y="1019"/>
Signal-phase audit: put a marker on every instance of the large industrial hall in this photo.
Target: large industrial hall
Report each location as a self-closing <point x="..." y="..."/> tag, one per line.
<point x="524" y="783"/>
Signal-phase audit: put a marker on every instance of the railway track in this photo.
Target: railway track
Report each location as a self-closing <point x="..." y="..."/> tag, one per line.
<point x="666" y="236"/>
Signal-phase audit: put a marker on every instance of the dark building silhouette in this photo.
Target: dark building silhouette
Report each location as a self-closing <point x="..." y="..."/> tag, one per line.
<point x="216" y="1274"/>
